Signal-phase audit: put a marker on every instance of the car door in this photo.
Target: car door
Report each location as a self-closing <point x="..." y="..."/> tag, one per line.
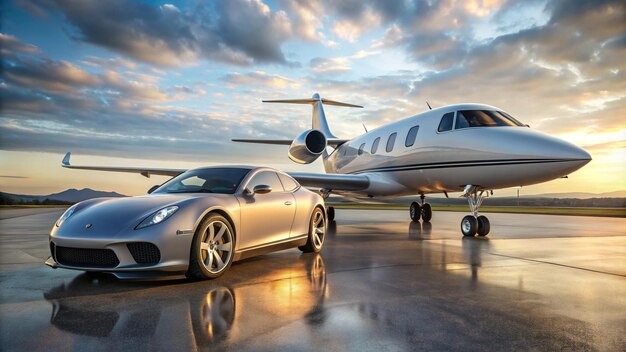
<point x="265" y="218"/>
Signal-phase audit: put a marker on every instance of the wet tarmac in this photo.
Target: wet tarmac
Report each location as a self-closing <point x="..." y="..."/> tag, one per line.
<point x="381" y="283"/>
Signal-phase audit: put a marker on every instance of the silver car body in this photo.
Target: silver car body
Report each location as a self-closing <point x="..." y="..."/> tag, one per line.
<point x="262" y="223"/>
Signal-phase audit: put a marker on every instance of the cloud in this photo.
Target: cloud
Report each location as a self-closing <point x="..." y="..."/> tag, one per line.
<point x="338" y="64"/>
<point x="259" y="78"/>
<point x="10" y="44"/>
<point x="49" y="75"/>
<point x="239" y="32"/>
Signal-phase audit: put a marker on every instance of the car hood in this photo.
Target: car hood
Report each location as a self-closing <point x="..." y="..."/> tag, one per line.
<point x="109" y="216"/>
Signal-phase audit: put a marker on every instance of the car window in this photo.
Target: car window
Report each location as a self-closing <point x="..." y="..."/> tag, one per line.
<point x="268" y="178"/>
<point x="289" y="184"/>
<point x="361" y="148"/>
<point x="375" y="145"/>
<point x="391" y="141"/>
<point x="410" y="137"/>
<point x="193" y="181"/>
<point x="446" y="122"/>
<point x="209" y="180"/>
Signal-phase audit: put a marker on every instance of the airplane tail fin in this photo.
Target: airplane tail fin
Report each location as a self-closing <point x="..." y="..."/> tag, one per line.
<point x="318" y="120"/>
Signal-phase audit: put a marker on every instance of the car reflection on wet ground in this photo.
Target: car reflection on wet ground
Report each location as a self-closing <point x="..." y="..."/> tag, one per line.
<point x="381" y="283"/>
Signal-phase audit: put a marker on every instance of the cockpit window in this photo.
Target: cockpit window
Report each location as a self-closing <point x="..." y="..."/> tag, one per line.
<point x="484" y="118"/>
<point x="446" y="122"/>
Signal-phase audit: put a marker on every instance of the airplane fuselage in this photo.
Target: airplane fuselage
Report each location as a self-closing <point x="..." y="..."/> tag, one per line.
<point x="423" y="158"/>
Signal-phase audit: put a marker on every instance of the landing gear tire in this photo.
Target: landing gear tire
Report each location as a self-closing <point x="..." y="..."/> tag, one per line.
<point x="427" y="212"/>
<point x="415" y="211"/>
<point x="330" y="213"/>
<point x="469" y="226"/>
<point x="483" y="226"/>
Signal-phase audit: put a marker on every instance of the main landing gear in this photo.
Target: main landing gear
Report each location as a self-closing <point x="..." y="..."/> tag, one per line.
<point x="422" y="210"/>
<point x="475" y="224"/>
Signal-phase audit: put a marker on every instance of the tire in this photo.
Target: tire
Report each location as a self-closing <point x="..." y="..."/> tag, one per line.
<point x="469" y="226"/>
<point x="317" y="232"/>
<point x="210" y="257"/>
<point x="483" y="226"/>
<point x="415" y="211"/>
<point x="427" y="212"/>
<point x="330" y="213"/>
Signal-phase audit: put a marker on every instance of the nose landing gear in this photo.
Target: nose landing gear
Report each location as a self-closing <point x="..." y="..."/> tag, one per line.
<point x="475" y="224"/>
<point x="423" y="210"/>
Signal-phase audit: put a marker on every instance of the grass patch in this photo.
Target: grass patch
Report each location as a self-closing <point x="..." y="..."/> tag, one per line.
<point x="605" y="212"/>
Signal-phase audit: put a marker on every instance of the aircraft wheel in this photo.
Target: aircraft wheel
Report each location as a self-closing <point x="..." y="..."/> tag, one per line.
<point x="469" y="226"/>
<point x="427" y="212"/>
<point x="415" y="211"/>
<point x="330" y="213"/>
<point x="483" y="225"/>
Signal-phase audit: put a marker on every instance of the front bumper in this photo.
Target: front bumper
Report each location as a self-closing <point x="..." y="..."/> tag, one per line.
<point x="173" y="246"/>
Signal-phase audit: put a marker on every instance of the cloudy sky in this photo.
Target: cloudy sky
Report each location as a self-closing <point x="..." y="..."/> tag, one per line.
<point x="169" y="83"/>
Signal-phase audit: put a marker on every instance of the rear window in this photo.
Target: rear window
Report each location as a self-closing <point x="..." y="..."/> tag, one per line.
<point x="483" y="118"/>
<point x="288" y="183"/>
<point x="446" y="122"/>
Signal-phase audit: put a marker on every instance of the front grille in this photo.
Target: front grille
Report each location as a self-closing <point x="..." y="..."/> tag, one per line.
<point x="103" y="258"/>
<point x="144" y="252"/>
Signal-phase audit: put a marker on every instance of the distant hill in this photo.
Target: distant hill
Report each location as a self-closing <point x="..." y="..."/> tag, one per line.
<point x="67" y="196"/>
<point x="580" y="195"/>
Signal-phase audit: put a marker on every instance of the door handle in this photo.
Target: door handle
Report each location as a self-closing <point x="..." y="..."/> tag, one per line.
<point x="288" y="203"/>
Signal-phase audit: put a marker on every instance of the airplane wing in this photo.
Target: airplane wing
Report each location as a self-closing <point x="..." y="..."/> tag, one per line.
<point x="137" y="170"/>
<point x="333" y="142"/>
<point x="339" y="182"/>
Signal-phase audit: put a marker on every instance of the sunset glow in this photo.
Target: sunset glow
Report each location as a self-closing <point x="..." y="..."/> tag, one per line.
<point x="168" y="84"/>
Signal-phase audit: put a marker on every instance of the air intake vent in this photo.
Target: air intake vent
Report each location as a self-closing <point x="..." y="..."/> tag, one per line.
<point x="52" y="251"/>
<point x="86" y="257"/>
<point x="144" y="252"/>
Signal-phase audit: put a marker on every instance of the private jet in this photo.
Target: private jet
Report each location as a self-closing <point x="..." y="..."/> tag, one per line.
<point x="468" y="148"/>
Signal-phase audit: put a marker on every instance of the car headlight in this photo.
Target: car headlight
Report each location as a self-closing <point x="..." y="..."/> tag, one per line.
<point x="157" y="217"/>
<point x="66" y="215"/>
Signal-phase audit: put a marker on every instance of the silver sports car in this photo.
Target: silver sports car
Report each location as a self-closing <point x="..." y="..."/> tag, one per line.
<point x="196" y="223"/>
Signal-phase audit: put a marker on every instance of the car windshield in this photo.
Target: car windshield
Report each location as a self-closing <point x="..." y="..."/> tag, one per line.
<point x="211" y="180"/>
<point x="484" y="118"/>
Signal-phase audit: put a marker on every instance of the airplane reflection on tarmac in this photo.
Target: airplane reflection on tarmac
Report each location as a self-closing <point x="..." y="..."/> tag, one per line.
<point x="212" y="315"/>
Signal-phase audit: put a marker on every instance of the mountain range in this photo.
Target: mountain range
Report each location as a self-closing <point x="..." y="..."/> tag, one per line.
<point x="71" y="195"/>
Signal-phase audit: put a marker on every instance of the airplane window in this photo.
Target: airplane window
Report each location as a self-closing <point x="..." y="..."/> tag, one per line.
<point x="288" y="183"/>
<point x="375" y="145"/>
<point x="268" y="178"/>
<point x="391" y="141"/>
<point x="410" y="137"/>
<point x="361" y="148"/>
<point x="482" y="118"/>
<point x="446" y="122"/>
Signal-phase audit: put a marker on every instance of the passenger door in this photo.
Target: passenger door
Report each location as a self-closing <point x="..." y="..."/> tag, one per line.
<point x="265" y="218"/>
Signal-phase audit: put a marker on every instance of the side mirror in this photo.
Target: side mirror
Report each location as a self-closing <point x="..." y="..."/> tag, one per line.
<point x="261" y="189"/>
<point x="153" y="188"/>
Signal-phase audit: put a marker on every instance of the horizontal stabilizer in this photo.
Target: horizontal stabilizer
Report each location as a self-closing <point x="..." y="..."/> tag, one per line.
<point x="333" y="142"/>
<point x="312" y="101"/>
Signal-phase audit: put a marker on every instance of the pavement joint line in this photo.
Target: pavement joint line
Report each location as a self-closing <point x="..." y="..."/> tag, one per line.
<point x="557" y="264"/>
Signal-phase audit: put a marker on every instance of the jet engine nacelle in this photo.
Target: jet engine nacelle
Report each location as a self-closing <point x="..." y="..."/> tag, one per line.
<point x="307" y="147"/>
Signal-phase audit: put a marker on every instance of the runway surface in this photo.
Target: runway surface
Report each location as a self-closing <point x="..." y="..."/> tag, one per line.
<point x="381" y="283"/>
